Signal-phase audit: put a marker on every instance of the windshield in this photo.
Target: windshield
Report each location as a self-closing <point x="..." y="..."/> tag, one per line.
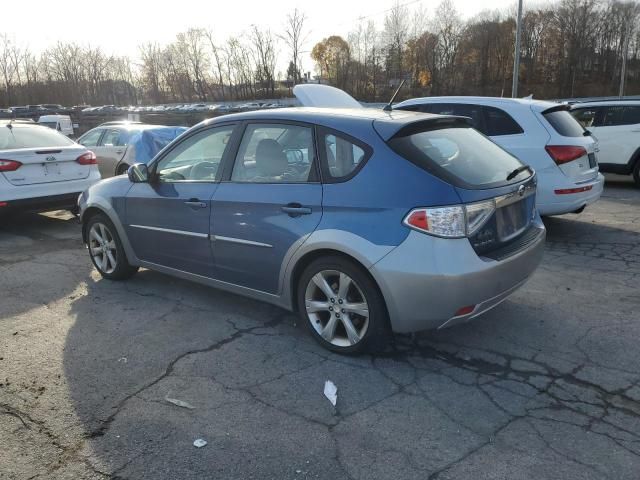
<point x="460" y="155"/>
<point x="53" y="125"/>
<point x="31" y="136"/>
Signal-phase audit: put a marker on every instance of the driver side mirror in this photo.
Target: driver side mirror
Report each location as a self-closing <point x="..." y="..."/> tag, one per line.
<point x="138" y="173"/>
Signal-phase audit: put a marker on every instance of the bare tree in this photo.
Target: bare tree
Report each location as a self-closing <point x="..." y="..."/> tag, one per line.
<point x="218" y="61"/>
<point x="295" y="38"/>
<point x="265" y="58"/>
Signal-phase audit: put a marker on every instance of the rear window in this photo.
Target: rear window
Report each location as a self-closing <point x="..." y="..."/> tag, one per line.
<point x="31" y="136"/>
<point x="460" y="155"/>
<point x="563" y="123"/>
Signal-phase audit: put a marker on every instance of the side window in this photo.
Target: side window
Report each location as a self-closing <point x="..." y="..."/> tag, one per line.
<point x="500" y="122"/>
<point x="585" y="116"/>
<point x="343" y="156"/>
<point x="90" y="139"/>
<point x="197" y="158"/>
<point x="110" y="138"/>
<point x="612" y="116"/>
<point x="631" y="115"/>
<point x="275" y="153"/>
<point x="474" y="112"/>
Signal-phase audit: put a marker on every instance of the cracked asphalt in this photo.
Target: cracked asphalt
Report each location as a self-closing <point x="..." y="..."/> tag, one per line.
<point x="547" y="385"/>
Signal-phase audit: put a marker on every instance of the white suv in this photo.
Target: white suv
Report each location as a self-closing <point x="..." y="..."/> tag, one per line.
<point x="41" y="169"/>
<point x="616" y="126"/>
<point x="541" y="134"/>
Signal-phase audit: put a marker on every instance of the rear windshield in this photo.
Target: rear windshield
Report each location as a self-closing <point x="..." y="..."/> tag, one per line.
<point x="564" y="123"/>
<point x="460" y="155"/>
<point x="31" y="136"/>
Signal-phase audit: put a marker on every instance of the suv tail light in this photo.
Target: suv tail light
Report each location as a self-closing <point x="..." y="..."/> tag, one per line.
<point x="455" y="221"/>
<point x="9" y="165"/>
<point x="88" y="158"/>
<point x="565" y="153"/>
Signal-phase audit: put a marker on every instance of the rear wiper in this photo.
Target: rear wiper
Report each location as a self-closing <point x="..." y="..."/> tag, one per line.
<point x="517" y="171"/>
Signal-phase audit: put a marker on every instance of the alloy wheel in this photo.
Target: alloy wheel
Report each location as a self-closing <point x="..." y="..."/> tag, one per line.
<point x="102" y="247"/>
<point x="337" y="308"/>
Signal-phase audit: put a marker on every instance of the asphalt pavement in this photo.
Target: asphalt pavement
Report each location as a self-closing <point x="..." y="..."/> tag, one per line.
<point x="103" y="379"/>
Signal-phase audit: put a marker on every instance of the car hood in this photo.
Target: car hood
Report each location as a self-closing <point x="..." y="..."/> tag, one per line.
<point x="315" y="95"/>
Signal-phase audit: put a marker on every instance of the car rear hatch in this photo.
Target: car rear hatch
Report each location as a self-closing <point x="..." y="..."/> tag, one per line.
<point x="45" y="165"/>
<point x="496" y="190"/>
<point x="569" y="145"/>
<point x="33" y="154"/>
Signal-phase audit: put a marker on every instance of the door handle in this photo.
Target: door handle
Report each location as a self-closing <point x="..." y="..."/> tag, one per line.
<point x="195" y="203"/>
<point x="295" y="209"/>
<point x="119" y="152"/>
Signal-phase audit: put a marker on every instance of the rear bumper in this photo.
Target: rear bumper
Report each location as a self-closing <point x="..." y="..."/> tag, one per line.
<point x="44" y="196"/>
<point x="40" y="204"/>
<point x="426" y="279"/>
<point x="551" y="203"/>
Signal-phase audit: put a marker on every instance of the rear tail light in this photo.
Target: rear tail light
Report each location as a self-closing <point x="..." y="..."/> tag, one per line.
<point x="455" y="221"/>
<point x="88" y="158"/>
<point x="565" y="153"/>
<point x="9" y="165"/>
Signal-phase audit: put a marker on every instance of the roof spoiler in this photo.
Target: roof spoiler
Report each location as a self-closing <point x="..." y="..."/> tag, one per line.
<point x="389" y="128"/>
<point x="557" y="108"/>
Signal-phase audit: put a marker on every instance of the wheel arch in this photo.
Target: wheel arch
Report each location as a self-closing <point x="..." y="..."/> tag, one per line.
<point x="305" y="260"/>
<point x="86" y="216"/>
<point x="98" y="208"/>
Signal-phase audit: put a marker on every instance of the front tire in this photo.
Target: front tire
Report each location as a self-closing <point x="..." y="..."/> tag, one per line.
<point x="342" y="306"/>
<point x="106" y="250"/>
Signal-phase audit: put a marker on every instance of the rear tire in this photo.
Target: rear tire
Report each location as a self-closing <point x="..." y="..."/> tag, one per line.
<point x="106" y="250"/>
<point x="342" y="306"/>
<point x="122" y="169"/>
<point x="636" y="173"/>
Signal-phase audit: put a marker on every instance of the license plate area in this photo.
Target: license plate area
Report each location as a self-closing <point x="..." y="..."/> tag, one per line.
<point x="513" y="219"/>
<point x="52" y="168"/>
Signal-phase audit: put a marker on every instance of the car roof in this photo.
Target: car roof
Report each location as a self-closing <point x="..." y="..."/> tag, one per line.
<point x="127" y="126"/>
<point x="316" y="115"/>
<point x="606" y="103"/>
<point x="19" y="121"/>
<point x="386" y="123"/>
<point x="538" y="105"/>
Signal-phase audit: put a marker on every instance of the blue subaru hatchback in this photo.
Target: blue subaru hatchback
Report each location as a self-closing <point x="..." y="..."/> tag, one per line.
<point x="361" y="221"/>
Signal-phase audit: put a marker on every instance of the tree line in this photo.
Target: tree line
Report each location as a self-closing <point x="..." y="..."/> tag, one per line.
<point x="569" y="48"/>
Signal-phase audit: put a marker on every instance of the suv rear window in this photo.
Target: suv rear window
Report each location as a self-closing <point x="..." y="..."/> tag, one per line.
<point x="31" y="136"/>
<point x="458" y="154"/>
<point x="563" y="123"/>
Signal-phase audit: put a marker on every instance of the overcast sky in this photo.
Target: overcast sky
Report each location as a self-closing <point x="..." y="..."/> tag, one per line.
<point x="119" y="26"/>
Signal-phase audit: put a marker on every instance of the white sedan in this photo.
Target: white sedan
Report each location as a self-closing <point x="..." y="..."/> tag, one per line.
<point x="41" y="169"/>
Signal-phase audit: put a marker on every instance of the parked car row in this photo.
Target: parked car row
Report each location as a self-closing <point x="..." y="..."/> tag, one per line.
<point x="360" y="220"/>
<point x="183" y="108"/>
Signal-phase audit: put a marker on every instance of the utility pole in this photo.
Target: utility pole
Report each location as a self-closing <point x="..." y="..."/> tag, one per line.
<point x="623" y="72"/>
<point x="516" y="54"/>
